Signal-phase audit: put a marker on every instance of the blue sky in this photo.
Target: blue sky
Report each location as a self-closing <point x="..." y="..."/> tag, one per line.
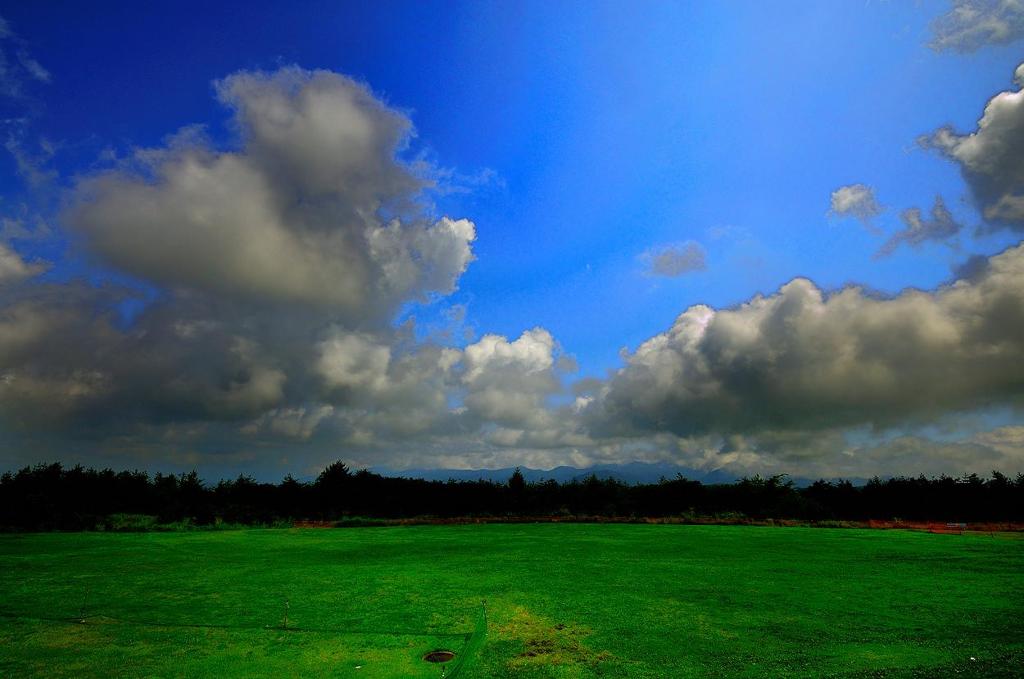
<point x="599" y="132"/>
<point x="576" y="136"/>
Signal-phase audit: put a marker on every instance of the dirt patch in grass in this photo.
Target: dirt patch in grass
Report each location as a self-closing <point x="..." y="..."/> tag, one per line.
<point x="546" y="642"/>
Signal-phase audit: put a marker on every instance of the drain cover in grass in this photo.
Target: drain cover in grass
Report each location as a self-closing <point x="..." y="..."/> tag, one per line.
<point x="439" y="656"/>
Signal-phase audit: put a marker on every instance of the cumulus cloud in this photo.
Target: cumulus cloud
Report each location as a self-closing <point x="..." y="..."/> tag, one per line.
<point x="294" y="215"/>
<point x="972" y="24"/>
<point x="493" y="394"/>
<point x="282" y="260"/>
<point x="803" y="360"/>
<point x="46" y="338"/>
<point x="383" y="389"/>
<point x="1008" y="441"/>
<point x="857" y="201"/>
<point x="675" y="259"/>
<point x="68" y="365"/>
<point x="297" y="423"/>
<point x="281" y="263"/>
<point x="507" y="382"/>
<point x="914" y="455"/>
<point x="354" y="361"/>
<point x="13" y="268"/>
<point x="972" y="268"/>
<point x="920" y="230"/>
<point x="991" y="158"/>
<point x="831" y="454"/>
<point x="65" y="361"/>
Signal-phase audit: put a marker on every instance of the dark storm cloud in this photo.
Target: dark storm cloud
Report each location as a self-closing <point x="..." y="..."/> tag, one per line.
<point x="65" y="361"/>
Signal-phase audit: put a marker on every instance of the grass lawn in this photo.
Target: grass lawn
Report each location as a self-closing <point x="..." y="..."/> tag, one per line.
<point x="562" y="600"/>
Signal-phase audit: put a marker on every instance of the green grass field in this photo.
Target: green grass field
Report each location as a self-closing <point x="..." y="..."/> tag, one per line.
<point x="562" y="600"/>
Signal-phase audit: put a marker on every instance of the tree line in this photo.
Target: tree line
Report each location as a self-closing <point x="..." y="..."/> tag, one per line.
<point x="52" y="497"/>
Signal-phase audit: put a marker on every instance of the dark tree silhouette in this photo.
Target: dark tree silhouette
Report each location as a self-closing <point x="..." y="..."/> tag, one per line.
<point x="50" y="497"/>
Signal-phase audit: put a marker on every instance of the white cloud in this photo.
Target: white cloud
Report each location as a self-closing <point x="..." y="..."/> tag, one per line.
<point x="531" y="354"/>
<point x="32" y="163"/>
<point x="283" y="261"/>
<point x="972" y="24"/>
<point x="992" y="157"/>
<point x="801" y="360"/>
<point x="33" y="67"/>
<point x="13" y="268"/>
<point x="857" y="201"/>
<point x="293" y="216"/>
<point x="354" y="361"/>
<point x="508" y="382"/>
<point x="919" y="230"/>
<point x="297" y="423"/>
<point x="675" y="259"/>
<point x="17" y="66"/>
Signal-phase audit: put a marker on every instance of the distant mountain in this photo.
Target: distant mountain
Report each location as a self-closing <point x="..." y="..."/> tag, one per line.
<point x="802" y="482"/>
<point x="630" y="473"/>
